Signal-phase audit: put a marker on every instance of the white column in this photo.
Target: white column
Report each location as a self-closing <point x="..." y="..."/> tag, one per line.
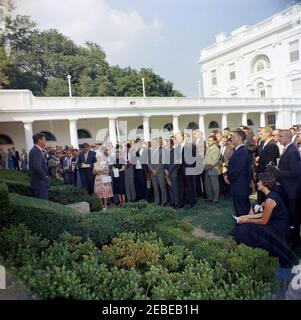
<point x="112" y="131"/>
<point x="278" y="120"/>
<point x="73" y="133"/>
<point x="28" y="135"/>
<point x="294" y="117"/>
<point x="202" y="123"/>
<point x="284" y="119"/>
<point x="175" y="124"/>
<point x="224" y="121"/>
<point x="244" y="119"/>
<point x="146" y="133"/>
<point x="262" y="120"/>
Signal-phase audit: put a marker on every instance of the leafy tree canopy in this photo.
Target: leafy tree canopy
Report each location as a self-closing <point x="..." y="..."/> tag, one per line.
<point x="41" y="60"/>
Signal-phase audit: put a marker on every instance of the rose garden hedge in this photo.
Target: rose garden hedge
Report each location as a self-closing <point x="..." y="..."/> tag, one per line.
<point x="18" y="182"/>
<point x="142" y="251"/>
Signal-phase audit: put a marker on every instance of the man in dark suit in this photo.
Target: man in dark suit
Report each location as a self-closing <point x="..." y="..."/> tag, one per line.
<point x="201" y="148"/>
<point x="38" y="169"/>
<point x="156" y="166"/>
<point x="171" y="172"/>
<point x="227" y="150"/>
<point x="239" y="174"/>
<point x="290" y="179"/>
<point x="86" y="160"/>
<point x="140" y="159"/>
<point x="16" y="158"/>
<point x="67" y="167"/>
<point x="186" y="156"/>
<point x="268" y="152"/>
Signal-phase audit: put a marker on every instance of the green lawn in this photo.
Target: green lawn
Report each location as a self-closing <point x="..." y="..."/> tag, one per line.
<point x="215" y="219"/>
<point x="211" y="217"/>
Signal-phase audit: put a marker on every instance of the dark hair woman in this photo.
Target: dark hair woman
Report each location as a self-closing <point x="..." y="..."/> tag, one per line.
<point x="269" y="230"/>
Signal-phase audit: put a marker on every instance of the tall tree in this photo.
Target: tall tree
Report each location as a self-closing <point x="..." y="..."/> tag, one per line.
<point x="41" y="60"/>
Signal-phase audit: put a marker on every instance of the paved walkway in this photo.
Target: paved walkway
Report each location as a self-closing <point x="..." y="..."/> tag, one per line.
<point x="15" y="289"/>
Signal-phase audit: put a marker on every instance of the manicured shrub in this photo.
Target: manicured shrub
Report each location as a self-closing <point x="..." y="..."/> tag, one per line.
<point x="211" y="250"/>
<point x="66" y="194"/>
<point x="56" y="182"/>
<point x="75" y="269"/>
<point x="19" y="187"/>
<point x="5" y="206"/>
<point x="171" y="234"/>
<point x="50" y="219"/>
<point x="46" y="218"/>
<point x="19" y="182"/>
<point x="130" y="253"/>
<point x="256" y="263"/>
<point x="14" y="175"/>
<point x="95" y="203"/>
<point x="18" y="245"/>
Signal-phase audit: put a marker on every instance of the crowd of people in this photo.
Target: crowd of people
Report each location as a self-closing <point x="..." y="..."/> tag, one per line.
<point x="177" y="170"/>
<point x="12" y="159"/>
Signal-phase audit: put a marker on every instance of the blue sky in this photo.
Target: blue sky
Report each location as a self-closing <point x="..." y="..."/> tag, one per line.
<point x="165" y="35"/>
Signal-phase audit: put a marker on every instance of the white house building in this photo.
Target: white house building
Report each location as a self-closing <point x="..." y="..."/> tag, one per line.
<point x="262" y="60"/>
<point x="251" y="77"/>
<point x="75" y="120"/>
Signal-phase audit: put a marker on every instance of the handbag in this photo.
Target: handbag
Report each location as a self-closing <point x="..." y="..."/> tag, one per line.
<point x="106" y="179"/>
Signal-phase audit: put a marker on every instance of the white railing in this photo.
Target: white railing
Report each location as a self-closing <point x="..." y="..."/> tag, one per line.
<point x="20" y="100"/>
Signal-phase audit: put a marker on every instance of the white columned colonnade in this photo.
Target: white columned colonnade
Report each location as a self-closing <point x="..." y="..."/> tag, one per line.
<point x="22" y="106"/>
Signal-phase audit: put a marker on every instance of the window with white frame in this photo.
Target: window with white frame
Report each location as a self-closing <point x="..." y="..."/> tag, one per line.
<point x="294" y="51"/>
<point x="296" y="86"/>
<point x="271" y="119"/>
<point x="232" y="71"/>
<point x="260" y="62"/>
<point x="213" y="77"/>
<point x="260" y="66"/>
<point x="261" y="90"/>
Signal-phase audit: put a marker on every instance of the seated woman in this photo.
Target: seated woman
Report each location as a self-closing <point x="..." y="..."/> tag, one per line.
<point x="269" y="230"/>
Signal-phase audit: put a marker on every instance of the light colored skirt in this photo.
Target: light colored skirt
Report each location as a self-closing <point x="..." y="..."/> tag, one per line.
<point x="102" y="190"/>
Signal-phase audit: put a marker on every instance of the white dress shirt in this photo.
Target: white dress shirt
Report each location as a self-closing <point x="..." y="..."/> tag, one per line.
<point x="241" y="145"/>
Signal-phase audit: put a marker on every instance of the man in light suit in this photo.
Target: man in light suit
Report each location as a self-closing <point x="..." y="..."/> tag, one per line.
<point x="156" y="166"/>
<point x="86" y="160"/>
<point x="239" y="174"/>
<point x="212" y="170"/>
<point x="290" y="179"/>
<point x="38" y="169"/>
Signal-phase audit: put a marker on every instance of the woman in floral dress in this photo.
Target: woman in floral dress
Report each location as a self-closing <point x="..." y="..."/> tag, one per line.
<point x="102" y="182"/>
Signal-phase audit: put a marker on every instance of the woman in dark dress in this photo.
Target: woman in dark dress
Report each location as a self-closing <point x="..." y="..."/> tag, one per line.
<point x="118" y="169"/>
<point x="268" y="230"/>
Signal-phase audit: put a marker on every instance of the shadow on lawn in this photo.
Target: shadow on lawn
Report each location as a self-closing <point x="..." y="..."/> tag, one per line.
<point x="211" y="217"/>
